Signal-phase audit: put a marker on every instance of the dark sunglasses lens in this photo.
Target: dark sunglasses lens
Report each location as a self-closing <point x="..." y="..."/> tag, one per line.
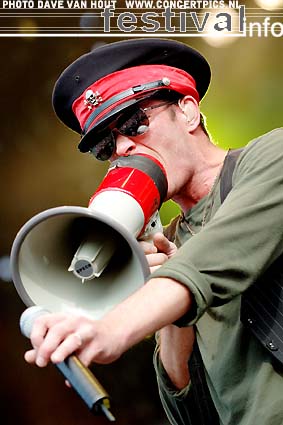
<point x="104" y="149"/>
<point x="130" y="127"/>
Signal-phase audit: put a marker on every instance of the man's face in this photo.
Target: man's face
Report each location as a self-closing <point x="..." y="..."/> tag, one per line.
<point x="163" y="136"/>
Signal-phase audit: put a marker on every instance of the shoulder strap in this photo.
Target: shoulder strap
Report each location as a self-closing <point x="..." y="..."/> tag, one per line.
<point x="227" y="172"/>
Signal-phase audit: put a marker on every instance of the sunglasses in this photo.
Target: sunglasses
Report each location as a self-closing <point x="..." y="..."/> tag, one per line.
<point x="131" y="124"/>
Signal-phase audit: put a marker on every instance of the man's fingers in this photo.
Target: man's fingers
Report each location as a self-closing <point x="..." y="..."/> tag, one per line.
<point x="156" y="259"/>
<point x="30" y="356"/>
<point x="158" y="252"/>
<point x="164" y="245"/>
<point x="160" y="244"/>
<point x="153" y="269"/>
<point x="55" y="337"/>
<point x="58" y="331"/>
<point x="86" y="356"/>
<point x="41" y="326"/>
<point x="147" y="247"/>
<point x="72" y="343"/>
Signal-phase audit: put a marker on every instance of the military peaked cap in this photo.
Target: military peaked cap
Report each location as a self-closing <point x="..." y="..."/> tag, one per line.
<point x="95" y="88"/>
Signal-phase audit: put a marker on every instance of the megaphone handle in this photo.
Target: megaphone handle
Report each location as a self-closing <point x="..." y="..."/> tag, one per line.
<point x="86" y="385"/>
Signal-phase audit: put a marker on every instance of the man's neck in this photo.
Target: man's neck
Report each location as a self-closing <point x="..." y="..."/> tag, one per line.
<point x="202" y="180"/>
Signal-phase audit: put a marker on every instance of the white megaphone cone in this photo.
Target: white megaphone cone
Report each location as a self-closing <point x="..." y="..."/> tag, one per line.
<point x="88" y="259"/>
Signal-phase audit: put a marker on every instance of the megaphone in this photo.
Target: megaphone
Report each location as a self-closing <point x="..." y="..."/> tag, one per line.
<point x="88" y="259"/>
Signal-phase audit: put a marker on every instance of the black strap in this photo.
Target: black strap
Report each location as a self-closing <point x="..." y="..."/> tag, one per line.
<point x="120" y="96"/>
<point x="227" y="172"/>
<point x="203" y="411"/>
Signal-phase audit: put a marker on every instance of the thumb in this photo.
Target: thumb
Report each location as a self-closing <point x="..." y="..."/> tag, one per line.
<point x="164" y="245"/>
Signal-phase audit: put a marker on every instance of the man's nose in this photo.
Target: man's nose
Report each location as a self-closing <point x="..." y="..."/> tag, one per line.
<point x="124" y="145"/>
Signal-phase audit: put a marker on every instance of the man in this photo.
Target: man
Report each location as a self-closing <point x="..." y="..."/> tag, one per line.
<point x="142" y="97"/>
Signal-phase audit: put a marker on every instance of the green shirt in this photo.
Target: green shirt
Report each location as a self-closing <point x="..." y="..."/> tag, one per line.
<point x="239" y="240"/>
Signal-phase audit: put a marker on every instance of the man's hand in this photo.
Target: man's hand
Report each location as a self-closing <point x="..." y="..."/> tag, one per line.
<point x="56" y="336"/>
<point x="158" y="252"/>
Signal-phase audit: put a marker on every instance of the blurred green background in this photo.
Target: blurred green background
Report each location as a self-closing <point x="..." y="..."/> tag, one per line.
<point x="42" y="168"/>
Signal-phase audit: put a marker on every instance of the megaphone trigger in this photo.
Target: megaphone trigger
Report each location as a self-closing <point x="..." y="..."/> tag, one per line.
<point x="154" y="226"/>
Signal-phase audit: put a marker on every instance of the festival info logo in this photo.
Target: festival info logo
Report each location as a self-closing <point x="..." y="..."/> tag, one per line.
<point x="215" y="20"/>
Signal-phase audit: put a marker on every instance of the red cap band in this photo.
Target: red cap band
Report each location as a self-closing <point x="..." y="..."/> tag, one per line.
<point x="121" y="86"/>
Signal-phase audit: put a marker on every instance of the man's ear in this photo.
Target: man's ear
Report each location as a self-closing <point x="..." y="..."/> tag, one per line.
<point x="190" y="109"/>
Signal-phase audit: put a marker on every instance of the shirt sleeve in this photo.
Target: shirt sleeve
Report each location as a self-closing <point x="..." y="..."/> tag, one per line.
<point x="244" y="236"/>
